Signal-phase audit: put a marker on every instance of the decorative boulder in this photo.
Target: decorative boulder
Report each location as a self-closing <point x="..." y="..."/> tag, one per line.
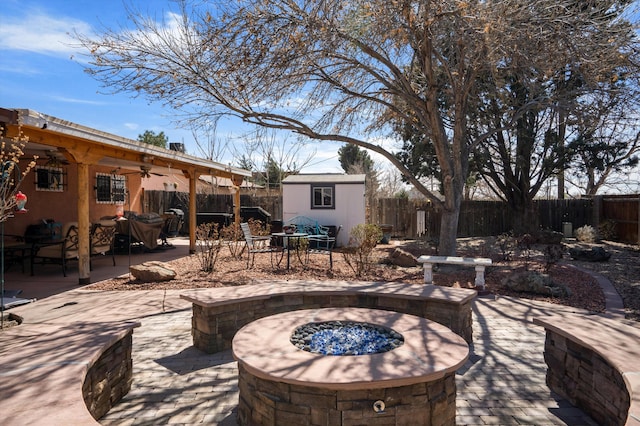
<point x="152" y="271"/>
<point x="537" y="283"/>
<point x="596" y="254"/>
<point x="402" y="258"/>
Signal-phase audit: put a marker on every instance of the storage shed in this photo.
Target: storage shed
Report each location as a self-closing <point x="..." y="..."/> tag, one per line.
<point x="329" y="199"/>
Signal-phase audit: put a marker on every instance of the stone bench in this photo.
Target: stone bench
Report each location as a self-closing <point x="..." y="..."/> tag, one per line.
<point x="480" y="263"/>
<point x="594" y="362"/>
<point x="70" y="375"/>
<point x="218" y="313"/>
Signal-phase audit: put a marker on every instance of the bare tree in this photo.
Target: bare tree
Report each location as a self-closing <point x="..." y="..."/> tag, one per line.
<point x="607" y="144"/>
<point x="271" y="156"/>
<point x="390" y="183"/>
<point x="208" y="143"/>
<point x="343" y="71"/>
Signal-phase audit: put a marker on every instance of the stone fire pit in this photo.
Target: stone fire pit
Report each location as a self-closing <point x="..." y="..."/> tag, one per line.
<point x="413" y="383"/>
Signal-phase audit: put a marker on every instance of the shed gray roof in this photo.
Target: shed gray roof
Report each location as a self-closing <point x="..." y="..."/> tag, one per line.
<point x="324" y="178"/>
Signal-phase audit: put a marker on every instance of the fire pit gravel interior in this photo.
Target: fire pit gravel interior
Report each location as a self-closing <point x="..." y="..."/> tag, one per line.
<point x="345" y="338"/>
<point x="282" y="384"/>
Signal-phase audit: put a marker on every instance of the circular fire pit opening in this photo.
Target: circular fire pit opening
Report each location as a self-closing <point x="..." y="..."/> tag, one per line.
<point x="345" y="338"/>
<point x="413" y="383"/>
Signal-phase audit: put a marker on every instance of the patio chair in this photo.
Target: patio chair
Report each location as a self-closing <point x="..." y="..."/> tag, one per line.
<point x="307" y="225"/>
<point x="103" y="235"/>
<point x="58" y="252"/>
<point x="259" y="244"/>
<point x="322" y="244"/>
<point x="173" y="221"/>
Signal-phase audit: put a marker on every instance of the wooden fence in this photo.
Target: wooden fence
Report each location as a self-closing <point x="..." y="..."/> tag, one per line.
<point x="161" y="201"/>
<point x="477" y="218"/>
<point x="624" y="212"/>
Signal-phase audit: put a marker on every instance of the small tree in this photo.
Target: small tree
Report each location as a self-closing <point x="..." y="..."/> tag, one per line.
<point x="10" y="174"/>
<point x="10" y="179"/>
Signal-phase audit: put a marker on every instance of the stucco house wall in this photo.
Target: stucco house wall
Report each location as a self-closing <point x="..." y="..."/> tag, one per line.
<point x="349" y="205"/>
<point x="61" y="206"/>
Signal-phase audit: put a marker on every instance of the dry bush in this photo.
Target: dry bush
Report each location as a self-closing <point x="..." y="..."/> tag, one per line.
<point x="586" y="234"/>
<point x="363" y="239"/>
<point x="208" y="243"/>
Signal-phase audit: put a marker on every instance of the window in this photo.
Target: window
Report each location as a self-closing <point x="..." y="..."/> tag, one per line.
<point x="322" y="197"/>
<point x="49" y="178"/>
<point x="110" y="189"/>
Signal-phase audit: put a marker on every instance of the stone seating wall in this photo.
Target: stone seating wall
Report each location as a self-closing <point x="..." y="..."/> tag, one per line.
<point x="218" y="313"/>
<point x="594" y="362"/>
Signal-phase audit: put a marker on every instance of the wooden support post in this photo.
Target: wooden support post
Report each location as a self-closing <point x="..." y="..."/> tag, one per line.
<point x="83" y="225"/>
<point x="192" y="212"/>
<point x="237" y="182"/>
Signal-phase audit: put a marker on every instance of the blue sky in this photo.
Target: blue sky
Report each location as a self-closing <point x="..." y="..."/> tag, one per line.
<point x="37" y="72"/>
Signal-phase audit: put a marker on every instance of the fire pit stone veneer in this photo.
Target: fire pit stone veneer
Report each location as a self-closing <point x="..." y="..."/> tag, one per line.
<point x="411" y="384"/>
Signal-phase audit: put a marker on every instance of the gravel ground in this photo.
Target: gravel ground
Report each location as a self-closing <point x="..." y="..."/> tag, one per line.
<point x="622" y="269"/>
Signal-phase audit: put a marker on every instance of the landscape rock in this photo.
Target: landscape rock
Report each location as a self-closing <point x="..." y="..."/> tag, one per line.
<point x="403" y="258"/>
<point x="596" y="254"/>
<point x="537" y="283"/>
<point x="152" y="271"/>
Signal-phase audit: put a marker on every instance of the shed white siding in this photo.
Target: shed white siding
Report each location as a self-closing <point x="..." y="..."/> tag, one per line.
<point x="349" y="199"/>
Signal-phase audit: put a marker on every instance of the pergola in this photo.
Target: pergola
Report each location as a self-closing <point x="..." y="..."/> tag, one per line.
<point x="87" y="147"/>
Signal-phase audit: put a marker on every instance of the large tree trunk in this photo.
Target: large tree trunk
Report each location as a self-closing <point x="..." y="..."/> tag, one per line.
<point x="448" y="232"/>
<point x="525" y="220"/>
<point x="453" y="192"/>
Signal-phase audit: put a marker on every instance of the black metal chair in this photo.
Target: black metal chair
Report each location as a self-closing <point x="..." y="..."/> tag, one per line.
<point x="58" y="252"/>
<point x="103" y="235"/>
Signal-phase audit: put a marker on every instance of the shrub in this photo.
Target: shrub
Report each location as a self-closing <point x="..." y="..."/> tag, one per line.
<point x="363" y="238"/>
<point x="552" y="255"/>
<point x="525" y="245"/>
<point x="208" y="245"/>
<point x="258" y="228"/>
<point x="586" y="234"/>
<point x="232" y="234"/>
<point x="506" y="242"/>
<point x="607" y="230"/>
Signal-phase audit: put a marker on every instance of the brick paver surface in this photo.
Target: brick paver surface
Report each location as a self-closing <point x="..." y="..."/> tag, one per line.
<point x="502" y="383"/>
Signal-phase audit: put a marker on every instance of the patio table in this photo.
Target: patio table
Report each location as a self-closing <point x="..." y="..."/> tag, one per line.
<point x="288" y="244"/>
<point x="17" y="252"/>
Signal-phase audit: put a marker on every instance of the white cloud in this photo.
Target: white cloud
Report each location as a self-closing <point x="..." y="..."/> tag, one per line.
<point x="131" y="126"/>
<point x="39" y="33"/>
<point x="76" y="101"/>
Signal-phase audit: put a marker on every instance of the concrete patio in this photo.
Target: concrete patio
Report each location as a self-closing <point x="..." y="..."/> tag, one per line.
<point x="173" y="383"/>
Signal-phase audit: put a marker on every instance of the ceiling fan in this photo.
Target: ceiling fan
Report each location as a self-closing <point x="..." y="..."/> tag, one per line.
<point x="54" y="160"/>
<point x="145" y="172"/>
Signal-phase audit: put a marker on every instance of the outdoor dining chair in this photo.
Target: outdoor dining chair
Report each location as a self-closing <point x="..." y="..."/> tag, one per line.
<point x="260" y="244"/>
<point x="103" y="235"/>
<point x="58" y="251"/>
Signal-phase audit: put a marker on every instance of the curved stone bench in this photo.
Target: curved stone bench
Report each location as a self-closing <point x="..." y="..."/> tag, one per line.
<point x="71" y="375"/>
<point x="594" y="362"/>
<point x="218" y="313"/>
